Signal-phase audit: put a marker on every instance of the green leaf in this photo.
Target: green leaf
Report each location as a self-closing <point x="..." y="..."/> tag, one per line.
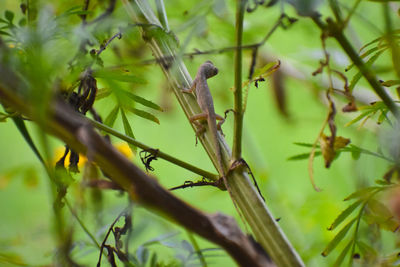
<point x="160" y="238"/>
<point x="268" y="69"/>
<point x="339" y="237"/>
<point x="142" y="254"/>
<point x="382" y="117"/>
<point x="362" y="193"/>
<point x="9" y="16"/>
<point x="4" y="33"/>
<point x="368" y="64"/>
<point x="304" y="156"/>
<point x="153" y="261"/>
<point x="118" y="76"/>
<point x="75" y="10"/>
<point x="382" y="182"/>
<point x="365" y="249"/>
<point x="389" y="83"/>
<point x="342" y="216"/>
<point x="343" y="254"/>
<point x="360" y="117"/>
<point x="355" y="154"/>
<point x="102" y="93"/>
<point x="22" y="22"/>
<point x="128" y="130"/>
<point x="304" y="144"/>
<point x="143" y="114"/>
<point x="143" y="101"/>
<point x="112" y="116"/>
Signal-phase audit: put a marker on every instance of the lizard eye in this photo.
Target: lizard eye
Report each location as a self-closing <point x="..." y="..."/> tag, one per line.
<point x="215" y="71"/>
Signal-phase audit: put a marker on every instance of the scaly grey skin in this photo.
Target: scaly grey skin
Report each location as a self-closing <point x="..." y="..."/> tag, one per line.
<point x="206" y="103"/>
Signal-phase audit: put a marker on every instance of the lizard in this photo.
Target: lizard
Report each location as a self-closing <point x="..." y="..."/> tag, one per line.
<point x="206" y="103"/>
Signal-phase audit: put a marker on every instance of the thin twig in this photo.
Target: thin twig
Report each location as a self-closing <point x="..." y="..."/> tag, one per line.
<point x="336" y="32"/>
<point x="106" y="13"/>
<point x="85" y="229"/>
<point x="160" y="154"/>
<point x="224" y="49"/>
<point x="238" y="95"/>
<point x="103" y="47"/>
<point x="85" y="8"/>
<point x="193" y="184"/>
<point x="108" y="233"/>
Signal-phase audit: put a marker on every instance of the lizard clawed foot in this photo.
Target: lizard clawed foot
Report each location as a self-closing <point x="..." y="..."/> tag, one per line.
<point x="200" y="132"/>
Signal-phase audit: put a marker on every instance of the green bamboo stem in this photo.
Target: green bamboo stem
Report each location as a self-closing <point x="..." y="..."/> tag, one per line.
<point x="265" y="229"/>
<point x="238" y="96"/>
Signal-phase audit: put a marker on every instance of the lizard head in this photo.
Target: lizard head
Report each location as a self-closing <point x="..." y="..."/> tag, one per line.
<point x="209" y="69"/>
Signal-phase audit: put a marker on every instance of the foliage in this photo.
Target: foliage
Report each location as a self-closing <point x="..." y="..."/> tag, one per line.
<point x="95" y="58"/>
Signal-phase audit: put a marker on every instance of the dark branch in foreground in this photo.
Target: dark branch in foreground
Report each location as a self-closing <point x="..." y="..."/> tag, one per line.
<point x="78" y="133"/>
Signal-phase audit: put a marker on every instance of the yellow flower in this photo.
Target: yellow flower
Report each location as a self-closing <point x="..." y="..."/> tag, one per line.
<point x="59" y="152"/>
<point x="124" y="149"/>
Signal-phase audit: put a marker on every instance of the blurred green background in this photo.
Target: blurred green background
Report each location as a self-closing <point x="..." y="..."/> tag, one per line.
<point x="26" y="218"/>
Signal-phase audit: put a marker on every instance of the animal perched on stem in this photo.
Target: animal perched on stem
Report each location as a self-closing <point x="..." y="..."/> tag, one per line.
<point x="206" y="103"/>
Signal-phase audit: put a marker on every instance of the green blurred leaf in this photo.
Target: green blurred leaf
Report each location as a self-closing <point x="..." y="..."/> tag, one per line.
<point x="128" y="131"/>
<point x="153" y="260"/>
<point x="367" y="111"/>
<point x="363" y="193"/>
<point x="382" y="182"/>
<point x="143" y="114"/>
<point x="304" y="156"/>
<point x="389" y="83"/>
<point x="187" y="246"/>
<point x="75" y="10"/>
<point x="355" y="154"/>
<point x="103" y="93"/>
<point x="379" y="209"/>
<point x="344" y="214"/>
<point x="339" y="237"/>
<point x="112" y="116"/>
<point x="368" y="64"/>
<point x="159" y="238"/>
<point x="9" y="16"/>
<point x="118" y="76"/>
<point x="14" y="259"/>
<point x="366" y="249"/>
<point x="31" y="178"/>
<point x="143" y="101"/>
<point x="360" y="117"/>
<point x="142" y="254"/>
<point x="343" y="254"/>
<point x="4" y="117"/>
<point x="383" y="116"/>
<point x="22" y="22"/>
<point x="267" y="70"/>
<point x="4" y="33"/>
<point x="304" y="144"/>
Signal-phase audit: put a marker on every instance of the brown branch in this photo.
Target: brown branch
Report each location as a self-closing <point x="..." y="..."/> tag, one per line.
<point x="226" y="49"/>
<point x="78" y="133"/>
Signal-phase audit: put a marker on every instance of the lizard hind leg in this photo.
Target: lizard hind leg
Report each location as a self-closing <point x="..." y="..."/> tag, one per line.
<point x="200" y="129"/>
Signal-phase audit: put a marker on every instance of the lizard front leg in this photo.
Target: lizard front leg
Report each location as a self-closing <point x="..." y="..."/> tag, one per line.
<point x="221" y="121"/>
<point x="191" y="89"/>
